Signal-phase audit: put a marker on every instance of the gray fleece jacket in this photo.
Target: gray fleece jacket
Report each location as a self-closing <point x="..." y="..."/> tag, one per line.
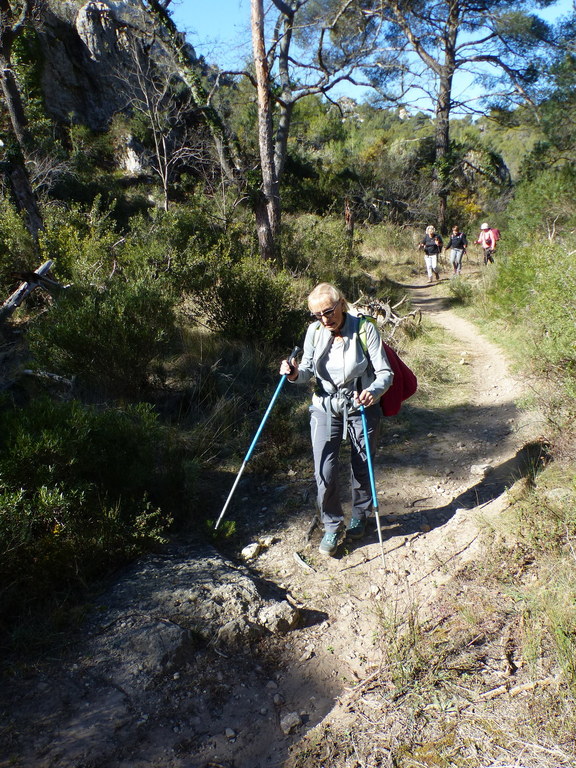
<point x="371" y="367"/>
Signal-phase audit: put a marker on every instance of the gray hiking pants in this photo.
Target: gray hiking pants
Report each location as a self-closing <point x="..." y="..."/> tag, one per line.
<point x="456" y="259"/>
<point x="327" y="436"/>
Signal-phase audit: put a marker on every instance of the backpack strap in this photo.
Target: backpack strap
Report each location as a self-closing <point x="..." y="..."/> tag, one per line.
<point x="362" y="331"/>
<point x="362" y="320"/>
<point x="315" y="336"/>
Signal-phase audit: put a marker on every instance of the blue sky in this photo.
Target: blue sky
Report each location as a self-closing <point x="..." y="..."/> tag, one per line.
<point x="219" y="30"/>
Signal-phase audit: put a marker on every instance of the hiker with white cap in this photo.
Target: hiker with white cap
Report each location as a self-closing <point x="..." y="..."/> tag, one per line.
<point x="487" y="239"/>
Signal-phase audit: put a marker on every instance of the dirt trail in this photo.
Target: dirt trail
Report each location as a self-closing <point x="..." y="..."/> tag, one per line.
<point x="436" y="483"/>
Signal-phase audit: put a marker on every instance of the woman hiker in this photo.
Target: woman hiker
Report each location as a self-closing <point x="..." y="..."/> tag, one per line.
<point x="457" y="245"/>
<point x="432" y="245"/>
<point x="487" y="240"/>
<point x="346" y="377"/>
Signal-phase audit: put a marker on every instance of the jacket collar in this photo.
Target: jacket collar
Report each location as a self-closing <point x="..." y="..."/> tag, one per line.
<point x="348" y="329"/>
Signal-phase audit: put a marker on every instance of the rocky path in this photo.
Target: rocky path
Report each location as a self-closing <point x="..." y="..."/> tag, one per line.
<point x="193" y="661"/>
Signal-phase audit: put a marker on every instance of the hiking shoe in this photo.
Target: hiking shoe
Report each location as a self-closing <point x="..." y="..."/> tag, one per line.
<point x="329" y="543"/>
<point x="356" y="529"/>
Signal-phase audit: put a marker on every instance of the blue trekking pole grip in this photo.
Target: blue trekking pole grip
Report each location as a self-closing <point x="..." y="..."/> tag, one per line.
<point x="371" y="474"/>
<point x="295" y="352"/>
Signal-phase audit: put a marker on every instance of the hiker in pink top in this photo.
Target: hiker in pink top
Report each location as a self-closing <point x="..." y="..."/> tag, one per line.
<point x="488" y="238"/>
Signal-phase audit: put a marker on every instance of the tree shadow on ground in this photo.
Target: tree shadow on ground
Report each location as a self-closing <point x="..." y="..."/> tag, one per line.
<point x="528" y="460"/>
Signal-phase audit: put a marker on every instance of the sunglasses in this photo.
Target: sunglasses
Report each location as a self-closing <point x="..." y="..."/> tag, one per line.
<point x="326" y="313"/>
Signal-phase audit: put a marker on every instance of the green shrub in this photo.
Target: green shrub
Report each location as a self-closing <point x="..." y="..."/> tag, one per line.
<point x="81" y="490"/>
<point x="49" y="443"/>
<point x="107" y="338"/>
<point x="321" y="249"/>
<point x="543" y="209"/>
<point x="536" y="288"/>
<point x="90" y="150"/>
<point x="461" y="291"/>
<point x="82" y="241"/>
<point x="169" y="248"/>
<point x="247" y="300"/>
<point x="172" y="246"/>
<point x="16" y="250"/>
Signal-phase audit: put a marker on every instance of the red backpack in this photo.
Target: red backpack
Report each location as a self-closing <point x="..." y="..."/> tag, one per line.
<point x="404" y="384"/>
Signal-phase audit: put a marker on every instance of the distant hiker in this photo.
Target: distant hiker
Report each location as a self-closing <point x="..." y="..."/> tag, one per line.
<point x="457" y="245"/>
<point x="334" y="356"/>
<point x="432" y="245"/>
<point x="488" y="238"/>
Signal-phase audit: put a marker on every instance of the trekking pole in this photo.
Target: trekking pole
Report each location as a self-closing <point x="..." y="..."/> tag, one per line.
<point x="372" y="483"/>
<point x="295" y="352"/>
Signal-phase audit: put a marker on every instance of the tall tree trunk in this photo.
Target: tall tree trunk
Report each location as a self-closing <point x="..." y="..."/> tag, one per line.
<point x="13" y="102"/>
<point x="10" y="28"/>
<point x="444" y="72"/>
<point x="16" y="168"/>
<point x="442" y="147"/>
<point x="349" y="221"/>
<point x="268" y="209"/>
<point x="443" y="107"/>
<point x="25" y="198"/>
<point x="286" y="101"/>
<point x="266" y="239"/>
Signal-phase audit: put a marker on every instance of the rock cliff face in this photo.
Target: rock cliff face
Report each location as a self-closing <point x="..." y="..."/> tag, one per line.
<point x="86" y="52"/>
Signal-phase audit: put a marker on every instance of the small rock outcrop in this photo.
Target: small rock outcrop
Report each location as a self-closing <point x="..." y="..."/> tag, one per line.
<point x="166" y="604"/>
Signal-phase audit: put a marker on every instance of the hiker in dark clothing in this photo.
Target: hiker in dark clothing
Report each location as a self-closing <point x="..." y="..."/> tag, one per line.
<point x="457" y="245"/>
<point x="432" y="245"/>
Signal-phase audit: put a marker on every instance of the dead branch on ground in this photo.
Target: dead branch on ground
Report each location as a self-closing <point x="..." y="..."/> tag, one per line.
<point x="32" y="280"/>
<point x="385" y="314"/>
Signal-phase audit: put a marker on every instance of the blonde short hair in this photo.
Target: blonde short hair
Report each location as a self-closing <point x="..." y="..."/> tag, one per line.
<point x="326" y="289"/>
<point x="429" y="229"/>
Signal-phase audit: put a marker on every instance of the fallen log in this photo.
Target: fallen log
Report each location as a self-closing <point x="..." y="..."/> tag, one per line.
<point x="51" y="377"/>
<point x="36" y="279"/>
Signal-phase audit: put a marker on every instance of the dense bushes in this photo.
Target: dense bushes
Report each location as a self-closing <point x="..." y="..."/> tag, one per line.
<point x="543" y="210"/>
<point x="533" y="288"/>
<point x="105" y="336"/>
<point x="246" y="300"/>
<point x="84" y="488"/>
<point x="81" y="489"/>
<point x="16" y="250"/>
<point x="321" y="250"/>
<point x="536" y="287"/>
